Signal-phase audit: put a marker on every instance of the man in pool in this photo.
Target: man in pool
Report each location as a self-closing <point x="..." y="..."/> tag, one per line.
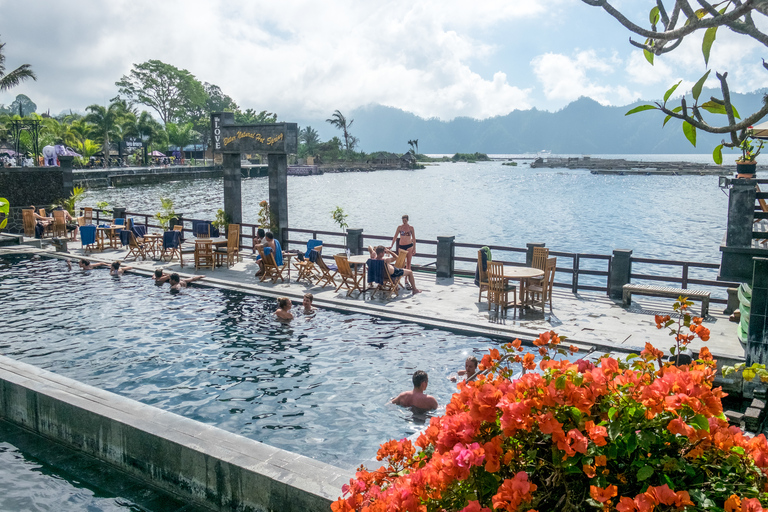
<point x="417" y="397"/>
<point x="378" y="254"/>
<point x="469" y="371"/>
<point x="307" y="303"/>
<point x="87" y="265"/>
<point x="177" y="283"/>
<point x="117" y="270"/>
<point x="161" y="277"/>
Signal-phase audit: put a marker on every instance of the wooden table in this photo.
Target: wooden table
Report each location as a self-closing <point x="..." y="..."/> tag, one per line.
<point x="109" y="232"/>
<point x="522" y="274"/>
<point x="154" y="242"/>
<point x="357" y="262"/>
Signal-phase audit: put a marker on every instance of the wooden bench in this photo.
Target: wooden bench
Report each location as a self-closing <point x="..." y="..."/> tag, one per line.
<point x="664" y="291"/>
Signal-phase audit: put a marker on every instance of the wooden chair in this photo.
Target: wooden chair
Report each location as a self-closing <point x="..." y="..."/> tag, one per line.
<point x="29" y="223"/>
<point x="349" y="278"/>
<point x="135" y="248"/>
<point x="541" y="293"/>
<point x="327" y="274"/>
<point x="540" y="255"/>
<point x="232" y="250"/>
<point x="389" y="285"/>
<point x="41" y="212"/>
<point x="306" y="267"/>
<point x="59" y="224"/>
<point x="172" y="247"/>
<point x="271" y="268"/>
<point x="499" y="288"/>
<point x="204" y="254"/>
<point x="88" y="215"/>
<point x="483" y="276"/>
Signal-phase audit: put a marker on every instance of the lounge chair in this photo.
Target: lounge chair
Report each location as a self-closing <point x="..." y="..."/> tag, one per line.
<point x="350" y="279"/>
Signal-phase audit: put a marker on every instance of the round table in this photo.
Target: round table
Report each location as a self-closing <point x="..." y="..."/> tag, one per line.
<point x="356" y="262"/>
<point x="522" y="274"/>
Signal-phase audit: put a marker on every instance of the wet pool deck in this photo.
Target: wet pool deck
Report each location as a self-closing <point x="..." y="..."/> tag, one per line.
<point x="588" y="319"/>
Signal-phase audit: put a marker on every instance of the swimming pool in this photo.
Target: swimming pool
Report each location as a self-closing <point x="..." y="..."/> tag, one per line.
<point x="318" y="386"/>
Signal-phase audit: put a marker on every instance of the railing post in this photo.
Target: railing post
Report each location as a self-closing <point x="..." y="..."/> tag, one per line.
<point x="529" y="252"/>
<point x="685" y="274"/>
<point x="445" y="252"/>
<point x="621" y="270"/>
<point x="575" y="280"/>
<point x="757" y="337"/>
<point x="355" y="241"/>
<point x="118" y="213"/>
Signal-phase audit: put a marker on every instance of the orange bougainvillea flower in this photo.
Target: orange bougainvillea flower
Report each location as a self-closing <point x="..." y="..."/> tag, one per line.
<point x="705" y="354"/>
<point x="651" y="353"/>
<point x="626" y="505"/>
<point x="661" y="320"/>
<point x="751" y="505"/>
<point x="601" y="460"/>
<point x="603" y="495"/>
<point x="732" y="504"/>
<point x="589" y="470"/>
<point x="596" y="433"/>
<point x="517" y="344"/>
<point x="529" y="361"/>
<point x="474" y="506"/>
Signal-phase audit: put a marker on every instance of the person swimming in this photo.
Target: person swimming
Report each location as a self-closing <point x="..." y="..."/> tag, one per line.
<point x="417" y="397"/>
<point x="283" y="311"/>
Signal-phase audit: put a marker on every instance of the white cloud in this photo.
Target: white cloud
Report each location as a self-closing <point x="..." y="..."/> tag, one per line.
<point x="565" y="78"/>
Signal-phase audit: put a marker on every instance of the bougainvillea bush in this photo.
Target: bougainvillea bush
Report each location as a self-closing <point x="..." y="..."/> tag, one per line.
<point x="613" y="434"/>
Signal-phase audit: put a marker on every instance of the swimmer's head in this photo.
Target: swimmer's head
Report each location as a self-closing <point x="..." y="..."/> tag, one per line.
<point x="284" y="303"/>
<point x="115" y="265"/>
<point x="308" y="298"/>
<point x="83" y="263"/>
<point x="419" y="377"/>
<point x="174" y="279"/>
<point x="470" y="365"/>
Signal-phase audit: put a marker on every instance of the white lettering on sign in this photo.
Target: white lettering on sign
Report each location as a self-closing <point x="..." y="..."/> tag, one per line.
<point x="216" y="133"/>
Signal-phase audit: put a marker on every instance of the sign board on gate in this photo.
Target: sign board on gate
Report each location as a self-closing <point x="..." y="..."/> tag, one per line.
<point x="277" y="138"/>
<point x="132" y="142"/>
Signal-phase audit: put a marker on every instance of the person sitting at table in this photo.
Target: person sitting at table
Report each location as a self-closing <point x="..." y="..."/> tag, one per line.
<point x="117" y="270"/>
<point x="259" y="238"/>
<point x="161" y="277"/>
<point x="283" y="311"/>
<point x="269" y="241"/>
<point x="378" y="254"/>
<point x="87" y="265"/>
<point x="177" y="283"/>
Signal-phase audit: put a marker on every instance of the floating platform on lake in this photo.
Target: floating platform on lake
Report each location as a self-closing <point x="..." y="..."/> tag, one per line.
<point x="620" y="166"/>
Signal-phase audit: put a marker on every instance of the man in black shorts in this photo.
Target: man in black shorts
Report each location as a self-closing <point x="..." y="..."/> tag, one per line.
<point x="378" y="254"/>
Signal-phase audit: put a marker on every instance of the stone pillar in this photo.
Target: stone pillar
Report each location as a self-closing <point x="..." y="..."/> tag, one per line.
<point x="741" y="213"/>
<point x="118" y="212"/>
<point x="757" y="336"/>
<point x="67" y="177"/>
<point x="355" y="241"/>
<point x="529" y="252"/>
<point x="445" y="253"/>
<point x="278" y="193"/>
<point x="233" y="202"/>
<point x="621" y="269"/>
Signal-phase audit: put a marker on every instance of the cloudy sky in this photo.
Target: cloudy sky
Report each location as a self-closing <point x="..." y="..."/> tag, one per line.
<point x="304" y="59"/>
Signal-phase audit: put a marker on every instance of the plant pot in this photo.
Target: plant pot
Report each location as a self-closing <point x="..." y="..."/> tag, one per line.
<point x="746" y="170"/>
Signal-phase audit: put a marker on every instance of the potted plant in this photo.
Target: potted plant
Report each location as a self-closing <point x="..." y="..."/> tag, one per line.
<point x="746" y="165"/>
<point x="221" y="222"/>
<point x="166" y="213"/>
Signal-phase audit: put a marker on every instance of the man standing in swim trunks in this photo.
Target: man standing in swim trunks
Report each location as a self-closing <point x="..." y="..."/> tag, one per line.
<point x="407" y="240"/>
<point x="378" y="254"/>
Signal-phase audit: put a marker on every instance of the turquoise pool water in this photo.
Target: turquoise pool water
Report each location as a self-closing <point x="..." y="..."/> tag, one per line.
<point x="318" y="386"/>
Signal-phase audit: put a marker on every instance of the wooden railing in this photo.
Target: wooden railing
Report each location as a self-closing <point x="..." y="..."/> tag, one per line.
<point x="572" y="271"/>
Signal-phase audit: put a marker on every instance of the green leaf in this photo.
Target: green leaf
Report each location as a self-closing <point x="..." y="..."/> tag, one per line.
<point x="654" y="16"/>
<point x="631" y="443"/>
<point x="690" y="132"/>
<point x="614" y="429"/>
<point x="640" y="109"/>
<point x="612" y="413"/>
<point x="560" y="382"/>
<point x="644" y="473"/>
<point x="698" y="86"/>
<point x="672" y="350"/>
<point x="648" y="56"/>
<point x="631" y="356"/>
<point x="576" y="414"/>
<point x="713" y="108"/>
<point x="671" y="90"/>
<point x="706" y="44"/>
<point x="748" y="374"/>
<point x="737" y="449"/>
<point x="700" y="422"/>
<point x="717" y="156"/>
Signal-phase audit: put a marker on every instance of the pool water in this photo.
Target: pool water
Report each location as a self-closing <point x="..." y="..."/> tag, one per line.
<point x="319" y="386"/>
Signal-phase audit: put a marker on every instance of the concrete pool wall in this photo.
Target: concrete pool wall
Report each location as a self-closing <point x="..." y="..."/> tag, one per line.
<point x="212" y="467"/>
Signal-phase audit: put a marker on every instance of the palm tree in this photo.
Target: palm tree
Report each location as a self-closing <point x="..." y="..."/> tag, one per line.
<point x="339" y="121"/>
<point x="15" y="77"/>
<point x="414" y="146"/>
<point x="79" y="131"/>
<point x="87" y="148"/>
<point x="309" y="137"/>
<point x="107" y="123"/>
<point x="181" y="135"/>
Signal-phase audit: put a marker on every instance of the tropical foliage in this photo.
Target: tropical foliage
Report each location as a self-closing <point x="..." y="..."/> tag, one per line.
<point x="631" y="435"/>
<point x="13" y="78"/>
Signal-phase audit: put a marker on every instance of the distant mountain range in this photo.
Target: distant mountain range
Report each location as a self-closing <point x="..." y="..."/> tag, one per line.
<point x="582" y="127"/>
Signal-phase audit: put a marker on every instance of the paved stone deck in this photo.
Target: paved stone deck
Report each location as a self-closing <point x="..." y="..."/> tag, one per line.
<point x="588" y="319"/>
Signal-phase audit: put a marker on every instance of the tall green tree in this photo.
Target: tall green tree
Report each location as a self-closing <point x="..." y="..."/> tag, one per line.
<point x="22" y="106"/>
<point x="15" y="77"/>
<point x="310" y="139"/>
<point x="171" y="92"/>
<point x="107" y="123"/>
<point x="250" y="116"/>
<point x="339" y="121"/>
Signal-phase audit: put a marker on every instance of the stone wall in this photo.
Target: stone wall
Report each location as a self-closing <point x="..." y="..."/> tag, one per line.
<point x="25" y="186"/>
<point x="204" y="464"/>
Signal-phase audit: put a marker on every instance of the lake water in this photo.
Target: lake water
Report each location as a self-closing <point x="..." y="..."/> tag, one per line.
<point x="669" y="217"/>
